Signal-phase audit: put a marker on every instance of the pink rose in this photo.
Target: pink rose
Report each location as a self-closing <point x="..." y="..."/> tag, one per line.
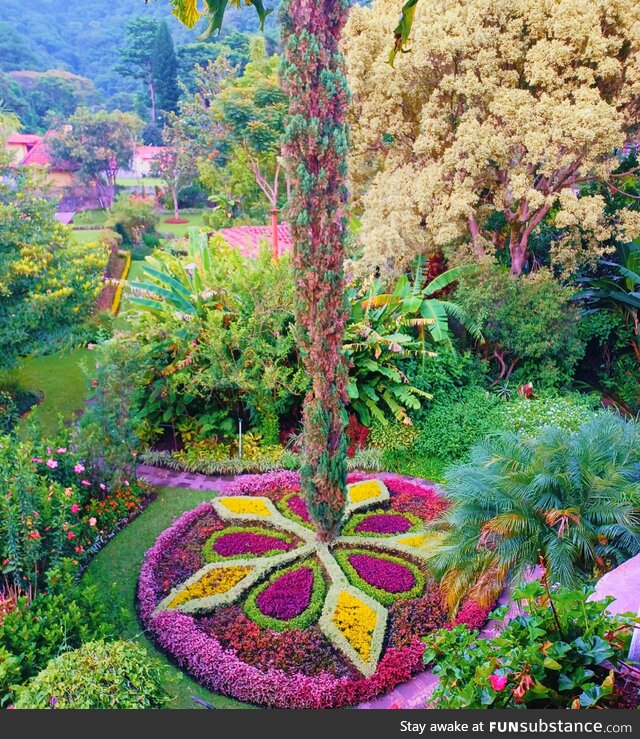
<point x="70" y="535"/>
<point x="498" y="682"/>
<point x="75" y="508"/>
<point x="93" y="521"/>
<point x="52" y="463"/>
<point x="78" y="468"/>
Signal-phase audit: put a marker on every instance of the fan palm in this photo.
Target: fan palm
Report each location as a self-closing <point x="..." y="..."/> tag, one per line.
<point x="573" y="500"/>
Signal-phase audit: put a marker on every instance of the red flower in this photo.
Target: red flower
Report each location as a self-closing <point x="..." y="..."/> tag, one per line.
<point x="498" y="682"/>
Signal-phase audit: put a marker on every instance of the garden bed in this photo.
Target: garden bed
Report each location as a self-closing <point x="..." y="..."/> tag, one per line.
<point x="241" y="595"/>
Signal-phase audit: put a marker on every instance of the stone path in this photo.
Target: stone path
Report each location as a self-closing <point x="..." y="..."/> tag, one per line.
<point x="162" y="477"/>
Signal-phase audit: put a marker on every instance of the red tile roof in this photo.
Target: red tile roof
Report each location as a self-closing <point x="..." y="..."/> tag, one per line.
<point x="247" y="238"/>
<point x="24" y="139"/>
<point x="40" y="155"/>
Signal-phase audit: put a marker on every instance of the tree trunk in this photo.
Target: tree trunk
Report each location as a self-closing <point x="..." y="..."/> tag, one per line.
<point x="152" y="95"/>
<point x="174" y="194"/>
<point x="316" y="147"/>
<point x="518" y="246"/>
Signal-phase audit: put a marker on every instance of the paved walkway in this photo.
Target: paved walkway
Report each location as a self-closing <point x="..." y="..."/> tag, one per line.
<point x="412" y="694"/>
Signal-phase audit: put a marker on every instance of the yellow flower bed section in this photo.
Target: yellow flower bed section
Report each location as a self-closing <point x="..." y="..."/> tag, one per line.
<point x="215" y="582"/>
<point x="356" y="621"/>
<point x="255" y="506"/>
<point x="364" y="491"/>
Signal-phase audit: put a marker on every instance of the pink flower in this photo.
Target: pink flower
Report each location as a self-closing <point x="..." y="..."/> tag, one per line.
<point x="103" y="486"/>
<point x="37" y="460"/>
<point x="126" y="482"/>
<point x="498" y="682"/>
<point x="91" y="347"/>
<point x="95" y="383"/>
<point x="68" y="492"/>
<point x="75" y="508"/>
<point x="78" y="468"/>
<point x="70" y="535"/>
<point x="61" y="450"/>
<point x="85" y="482"/>
<point x="48" y="450"/>
<point x="93" y="521"/>
<point x="52" y="463"/>
<point x="34" y="535"/>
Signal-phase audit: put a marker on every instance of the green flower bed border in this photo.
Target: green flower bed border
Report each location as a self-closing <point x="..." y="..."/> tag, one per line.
<point x="210" y="555"/>
<point x="382" y="596"/>
<point x="283" y="506"/>
<point x="349" y="528"/>
<point x="303" y="621"/>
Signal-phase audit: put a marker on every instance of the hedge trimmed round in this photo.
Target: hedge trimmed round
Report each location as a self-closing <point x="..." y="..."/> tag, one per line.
<point x="262" y="611"/>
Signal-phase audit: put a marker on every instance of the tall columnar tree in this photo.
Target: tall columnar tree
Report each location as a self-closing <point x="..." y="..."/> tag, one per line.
<point x="137" y="55"/>
<point x="316" y="148"/>
<point x="164" y="71"/>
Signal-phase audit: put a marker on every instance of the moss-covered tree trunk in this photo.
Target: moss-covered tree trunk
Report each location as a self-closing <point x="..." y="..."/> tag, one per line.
<point x="316" y="148"/>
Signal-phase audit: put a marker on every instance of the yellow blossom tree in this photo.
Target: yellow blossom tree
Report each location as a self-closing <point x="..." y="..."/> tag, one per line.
<point x="490" y="124"/>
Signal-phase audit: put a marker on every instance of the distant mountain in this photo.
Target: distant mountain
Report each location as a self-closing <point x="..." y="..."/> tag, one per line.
<point x="83" y="36"/>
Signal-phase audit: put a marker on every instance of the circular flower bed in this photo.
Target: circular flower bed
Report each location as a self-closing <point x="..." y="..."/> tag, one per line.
<point x="245" y="598"/>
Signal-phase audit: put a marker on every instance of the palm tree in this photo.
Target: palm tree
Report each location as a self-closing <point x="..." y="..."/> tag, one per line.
<point x="573" y="500"/>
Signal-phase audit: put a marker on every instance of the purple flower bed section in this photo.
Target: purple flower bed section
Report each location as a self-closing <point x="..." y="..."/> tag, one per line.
<point x="247" y="542"/>
<point x="299" y="507"/>
<point x="288" y="596"/>
<point x="383" y="523"/>
<point x="383" y="574"/>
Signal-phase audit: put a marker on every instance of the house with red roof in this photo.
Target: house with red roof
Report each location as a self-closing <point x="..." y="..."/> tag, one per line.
<point x="143" y="159"/>
<point x="20" y="144"/>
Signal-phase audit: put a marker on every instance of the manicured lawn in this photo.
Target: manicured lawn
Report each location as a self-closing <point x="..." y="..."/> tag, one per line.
<point x="140" y="182"/>
<point x="180" y="229"/>
<point x="115" y="572"/>
<point x="90" y="217"/>
<point x="87" y="236"/>
<point x="60" y="378"/>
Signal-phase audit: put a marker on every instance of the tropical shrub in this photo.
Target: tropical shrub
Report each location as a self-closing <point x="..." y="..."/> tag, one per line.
<point x="571" y="500"/>
<point x="561" y="651"/>
<point x="49" y="282"/>
<point x="132" y="216"/>
<point x="529" y="323"/>
<point x="98" y="675"/>
<point x="42" y="627"/>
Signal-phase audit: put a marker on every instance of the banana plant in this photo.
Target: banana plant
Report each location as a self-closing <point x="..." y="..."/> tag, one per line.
<point x="386" y="326"/>
<point x="618" y="291"/>
<point x="184" y="288"/>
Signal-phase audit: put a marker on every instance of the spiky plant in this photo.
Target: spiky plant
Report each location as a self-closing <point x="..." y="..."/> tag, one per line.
<point x="572" y="499"/>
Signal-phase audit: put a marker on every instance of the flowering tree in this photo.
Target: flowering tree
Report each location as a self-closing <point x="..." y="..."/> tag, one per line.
<point x="491" y="124"/>
<point x="315" y="149"/>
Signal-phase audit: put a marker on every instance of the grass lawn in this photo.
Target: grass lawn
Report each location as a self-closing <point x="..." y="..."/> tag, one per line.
<point x="140" y="182"/>
<point x="115" y="572"/>
<point x="88" y="236"/>
<point x="90" y="217"/>
<point x="60" y="378"/>
<point x="178" y="230"/>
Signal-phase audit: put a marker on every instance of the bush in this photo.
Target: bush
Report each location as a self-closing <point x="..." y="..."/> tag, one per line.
<point x="529" y="323"/>
<point x="43" y="627"/>
<point x="450" y="429"/>
<point x="9" y="414"/>
<point x="132" y="216"/>
<point x="544" y="658"/>
<point x="572" y="499"/>
<point x="99" y="675"/>
<point x="530" y="415"/>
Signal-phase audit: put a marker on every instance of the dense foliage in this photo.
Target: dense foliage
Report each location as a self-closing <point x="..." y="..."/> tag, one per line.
<point x="99" y="675"/>
<point x="561" y="651"/>
<point x="569" y="500"/>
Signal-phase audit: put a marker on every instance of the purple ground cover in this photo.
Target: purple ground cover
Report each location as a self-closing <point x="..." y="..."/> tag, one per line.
<point x="383" y="523"/>
<point x="383" y="574"/>
<point x="297" y="506"/>
<point x="247" y="542"/>
<point x="288" y="596"/>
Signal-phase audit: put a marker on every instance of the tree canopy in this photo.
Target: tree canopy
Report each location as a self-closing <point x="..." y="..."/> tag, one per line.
<point x="492" y="124"/>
